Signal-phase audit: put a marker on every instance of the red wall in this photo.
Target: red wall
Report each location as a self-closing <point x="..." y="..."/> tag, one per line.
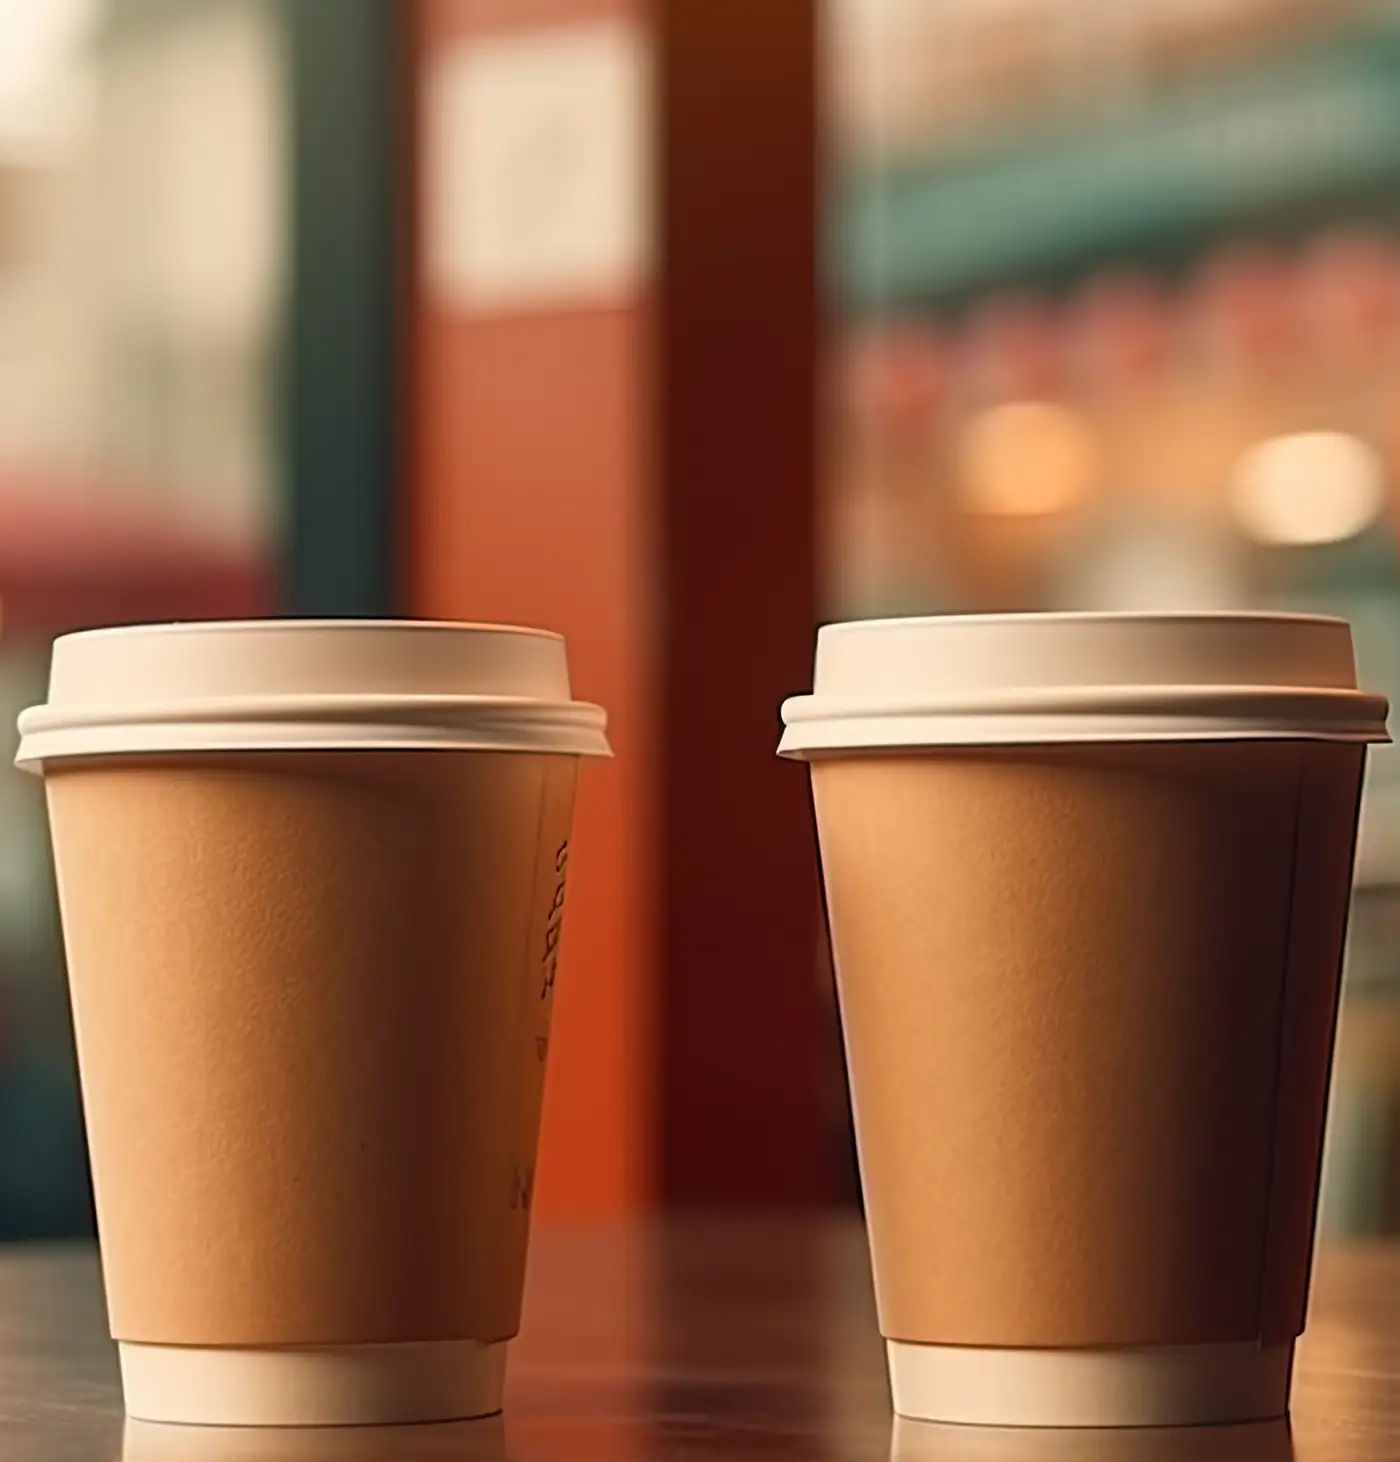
<point x="529" y="506"/>
<point x="641" y="478"/>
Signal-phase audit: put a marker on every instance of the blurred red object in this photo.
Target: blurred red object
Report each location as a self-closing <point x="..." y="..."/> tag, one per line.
<point x="1122" y="329"/>
<point x="1245" y="306"/>
<point x="1351" y="295"/>
<point x="896" y="378"/>
<point x="73" y="557"/>
<point x="1015" y="349"/>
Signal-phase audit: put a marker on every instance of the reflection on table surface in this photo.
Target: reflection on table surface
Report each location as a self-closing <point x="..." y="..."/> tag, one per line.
<point x="496" y="1441"/>
<point x="462" y="1441"/>
<point x="742" y="1339"/>
<point x="914" y="1441"/>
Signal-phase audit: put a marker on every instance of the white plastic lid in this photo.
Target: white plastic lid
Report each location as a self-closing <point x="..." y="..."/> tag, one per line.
<point x="1022" y="679"/>
<point x="308" y="685"/>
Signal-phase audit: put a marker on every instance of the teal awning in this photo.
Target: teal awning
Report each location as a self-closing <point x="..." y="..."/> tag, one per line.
<point x="1151" y="175"/>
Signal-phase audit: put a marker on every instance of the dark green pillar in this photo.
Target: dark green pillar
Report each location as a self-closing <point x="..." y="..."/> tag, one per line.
<point x="341" y="363"/>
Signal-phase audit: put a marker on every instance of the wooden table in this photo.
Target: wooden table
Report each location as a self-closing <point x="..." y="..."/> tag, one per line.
<point x="748" y="1339"/>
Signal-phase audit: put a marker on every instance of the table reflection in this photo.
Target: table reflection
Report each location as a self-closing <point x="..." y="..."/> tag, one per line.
<point x="464" y="1441"/>
<point x="918" y="1441"/>
<point x="493" y="1441"/>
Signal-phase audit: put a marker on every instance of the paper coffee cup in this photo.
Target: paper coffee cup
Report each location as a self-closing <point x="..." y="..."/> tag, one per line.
<point x="1088" y="879"/>
<point x="312" y="879"/>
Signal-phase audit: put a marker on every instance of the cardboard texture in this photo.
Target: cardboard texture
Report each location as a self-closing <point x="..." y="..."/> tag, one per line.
<point x="1087" y="1100"/>
<point x="308" y="991"/>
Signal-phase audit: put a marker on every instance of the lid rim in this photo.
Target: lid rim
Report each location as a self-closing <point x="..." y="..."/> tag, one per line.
<point x="1165" y="700"/>
<point x="40" y="750"/>
<point x="264" y="709"/>
<point x="290" y="626"/>
<point x="574" y="728"/>
<point x="796" y="746"/>
<point x="1315" y="704"/>
<point x="818" y="724"/>
<point x="1090" y="616"/>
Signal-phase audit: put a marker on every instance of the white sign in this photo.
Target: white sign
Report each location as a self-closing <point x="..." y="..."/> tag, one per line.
<point x="535" y="169"/>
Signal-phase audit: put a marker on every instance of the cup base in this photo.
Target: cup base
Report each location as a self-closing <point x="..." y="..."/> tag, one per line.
<point x="1190" y="1385"/>
<point x="351" y="1385"/>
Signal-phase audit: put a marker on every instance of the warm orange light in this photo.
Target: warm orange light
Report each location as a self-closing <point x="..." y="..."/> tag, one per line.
<point x="1027" y="458"/>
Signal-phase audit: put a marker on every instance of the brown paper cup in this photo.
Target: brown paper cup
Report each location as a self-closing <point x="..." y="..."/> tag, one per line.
<point x="1088" y="997"/>
<point x="312" y="996"/>
<point x="312" y="990"/>
<point x="1089" y="988"/>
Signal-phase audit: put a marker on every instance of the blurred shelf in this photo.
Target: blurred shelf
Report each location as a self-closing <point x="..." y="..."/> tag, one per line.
<point x="1148" y="179"/>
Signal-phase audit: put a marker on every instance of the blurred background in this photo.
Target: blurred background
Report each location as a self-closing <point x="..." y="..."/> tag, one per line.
<point x="141" y="275"/>
<point x="491" y="309"/>
<point x="1120" y="329"/>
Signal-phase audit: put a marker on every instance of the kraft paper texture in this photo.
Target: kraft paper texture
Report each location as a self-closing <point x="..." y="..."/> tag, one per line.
<point x="312" y="997"/>
<point x="1088" y="997"/>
